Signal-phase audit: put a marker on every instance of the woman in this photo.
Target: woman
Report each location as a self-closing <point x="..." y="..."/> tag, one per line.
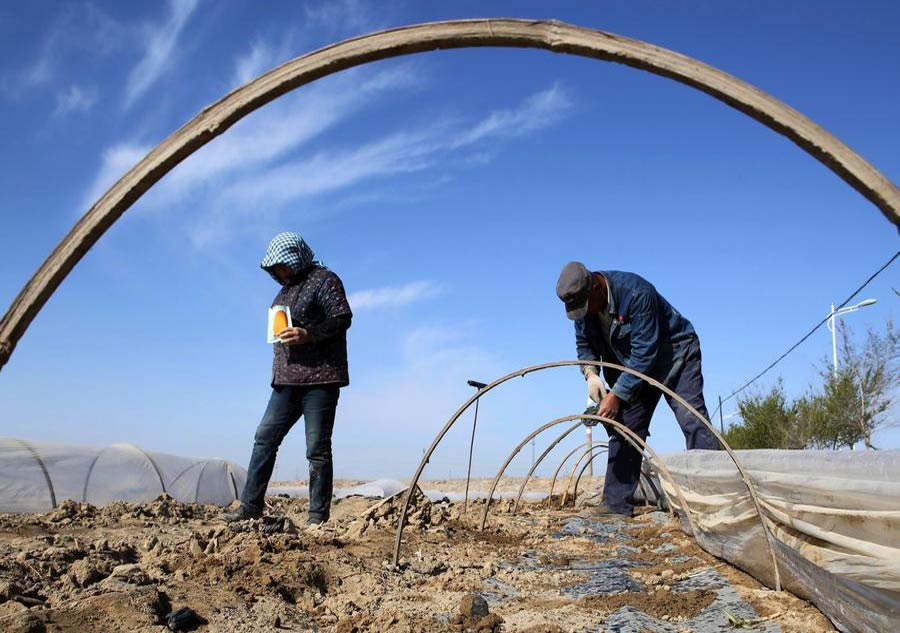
<point x="308" y="371"/>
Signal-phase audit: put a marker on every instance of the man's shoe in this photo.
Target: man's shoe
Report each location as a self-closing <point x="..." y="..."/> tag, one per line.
<point x="604" y="510"/>
<point x="243" y="513"/>
<point x="315" y="521"/>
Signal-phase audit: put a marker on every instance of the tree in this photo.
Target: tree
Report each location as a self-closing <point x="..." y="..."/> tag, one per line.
<point x="855" y="400"/>
<point x="767" y="421"/>
<point x="848" y="408"/>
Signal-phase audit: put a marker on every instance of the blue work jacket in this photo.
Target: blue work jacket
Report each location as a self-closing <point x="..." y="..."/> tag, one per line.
<point x="646" y="334"/>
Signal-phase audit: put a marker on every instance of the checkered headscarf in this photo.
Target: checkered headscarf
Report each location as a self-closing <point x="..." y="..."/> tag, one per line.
<point x="289" y="249"/>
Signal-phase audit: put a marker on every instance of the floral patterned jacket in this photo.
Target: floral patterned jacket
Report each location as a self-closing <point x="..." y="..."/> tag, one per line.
<point x="319" y="305"/>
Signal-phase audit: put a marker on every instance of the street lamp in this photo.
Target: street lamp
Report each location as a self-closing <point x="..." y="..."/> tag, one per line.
<point x="832" y="325"/>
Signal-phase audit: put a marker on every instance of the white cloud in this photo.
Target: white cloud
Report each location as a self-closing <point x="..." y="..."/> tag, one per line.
<point x="393" y="296"/>
<point x="75" y="99"/>
<point x="250" y="65"/>
<point x="244" y="178"/>
<point x="116" y="161"/>
<point x="538" y="111"/>
<point x="75" y="30"/>
<point x="399" y="404"/>
<point x="427" y="379"/>
<point x="401" y="152"/>
<point x="261" y="139"/>
<point x="281" y="127"/>
<point x="323" y="173"/>
<point x="324" y="22"/>
<point x="339" y="16"/>
<point x="161" y="40"/>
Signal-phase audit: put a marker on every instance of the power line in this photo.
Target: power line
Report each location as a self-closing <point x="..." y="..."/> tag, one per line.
<point x="810" y="333"/>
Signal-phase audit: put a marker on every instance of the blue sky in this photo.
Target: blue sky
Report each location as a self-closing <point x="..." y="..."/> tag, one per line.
<point x="446" y="189"/>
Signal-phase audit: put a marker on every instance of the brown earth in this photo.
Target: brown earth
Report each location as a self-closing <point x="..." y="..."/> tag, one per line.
<point x="123" y="567"/>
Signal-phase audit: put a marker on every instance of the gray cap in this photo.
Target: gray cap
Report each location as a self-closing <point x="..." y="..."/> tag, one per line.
<point x="574" y="289"/>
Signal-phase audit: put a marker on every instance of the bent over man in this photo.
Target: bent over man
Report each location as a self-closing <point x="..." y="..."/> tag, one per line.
<point x="621" y="318"/>
<point x="308" y="371"/>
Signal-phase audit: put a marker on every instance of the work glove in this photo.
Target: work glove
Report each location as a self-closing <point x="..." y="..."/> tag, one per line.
<point x="596" y="388"/>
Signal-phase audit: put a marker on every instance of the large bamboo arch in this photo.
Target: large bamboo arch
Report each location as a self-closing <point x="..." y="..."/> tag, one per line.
<point x="501" y="32"/>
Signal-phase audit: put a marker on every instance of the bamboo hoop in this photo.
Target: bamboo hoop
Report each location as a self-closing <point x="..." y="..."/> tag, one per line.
<point x="588" y="453"/>
<point x="629" y="436"/>
<point x="540" y="459"/>
<point x="559" y="468"/>
<point x="518" y="448"/>
<point x="643" y="480"/>
<point x="599" y="364"/>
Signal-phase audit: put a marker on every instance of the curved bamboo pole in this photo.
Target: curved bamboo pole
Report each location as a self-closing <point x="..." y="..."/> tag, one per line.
<point x="559" y="468"/>
<point x="580" y="363"/>
<point x="648" y="479"/>
<point x="199" y="480"/>
<point x="632" y="438"/>
<point x="183" y="472"/>
<point x="90" y="472"/>
<point x="540" y="459"/>
<point x="641" y="485"/>
<point x="643" y="478"/>
<point x="43" y="467"/>
<point x="549" y="35"/>
<point x="588" y="455"/>
<point x="145" y="455"/>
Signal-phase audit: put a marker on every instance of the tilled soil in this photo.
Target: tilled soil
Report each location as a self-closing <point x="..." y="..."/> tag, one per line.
<point x="123" y="567"/>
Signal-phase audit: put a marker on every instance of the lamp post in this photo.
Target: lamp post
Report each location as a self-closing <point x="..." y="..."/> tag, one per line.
<point x="832" y="325"/>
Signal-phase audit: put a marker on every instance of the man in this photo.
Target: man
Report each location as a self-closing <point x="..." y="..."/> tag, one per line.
<point x="309" y="368"/>
<point x="621" y="318"/>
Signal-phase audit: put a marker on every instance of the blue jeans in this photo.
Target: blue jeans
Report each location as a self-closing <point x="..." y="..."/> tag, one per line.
<point x="623" y="466"/>
<point x="317" y="405"/>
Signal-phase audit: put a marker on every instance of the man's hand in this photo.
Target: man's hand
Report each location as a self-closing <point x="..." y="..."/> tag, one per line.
<point x="294" y="336"/>
<point x="609" y="408"/>
<point x="596" y="388"/>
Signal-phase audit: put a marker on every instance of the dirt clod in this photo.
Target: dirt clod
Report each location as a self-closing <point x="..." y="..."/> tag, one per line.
<point x="473" y="607"/>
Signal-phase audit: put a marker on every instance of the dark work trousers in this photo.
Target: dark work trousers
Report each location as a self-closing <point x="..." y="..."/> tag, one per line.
<point x="317" y="405"/>
<point x="623" y="467"/>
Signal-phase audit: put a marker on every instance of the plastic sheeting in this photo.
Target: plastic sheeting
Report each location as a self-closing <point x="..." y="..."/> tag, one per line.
<point x="384" y="488"/>
<point x="378" y="489"/>
<point x="835" y="518"/>
<point x="38" y="476"/>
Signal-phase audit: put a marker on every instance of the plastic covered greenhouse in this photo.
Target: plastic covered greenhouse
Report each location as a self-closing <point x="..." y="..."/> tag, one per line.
<point x="38" y="476"/>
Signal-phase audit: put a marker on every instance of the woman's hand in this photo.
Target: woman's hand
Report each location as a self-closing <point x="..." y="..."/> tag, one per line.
<point x="294" y="336"/>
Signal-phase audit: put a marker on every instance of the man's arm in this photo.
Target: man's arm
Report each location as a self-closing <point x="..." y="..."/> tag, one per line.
<point x="644" y="344"/>
<point x="596" y="388"/>
<point x="583" y="348"/>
